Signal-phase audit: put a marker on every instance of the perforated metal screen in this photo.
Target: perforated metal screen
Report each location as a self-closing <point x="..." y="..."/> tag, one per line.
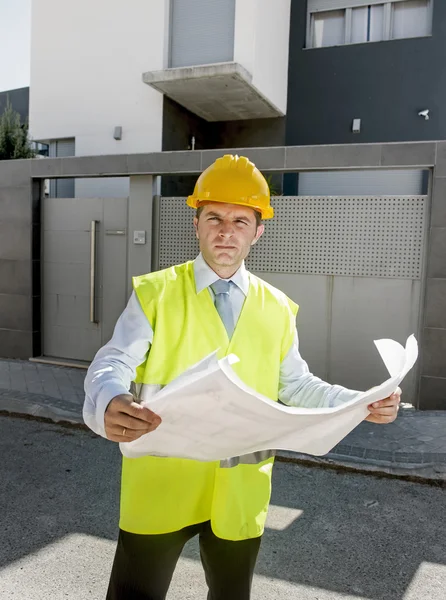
<point x="381" y="236"/>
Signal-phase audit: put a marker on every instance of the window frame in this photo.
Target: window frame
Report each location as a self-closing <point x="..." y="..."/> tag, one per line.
<point x="322" y="6"/>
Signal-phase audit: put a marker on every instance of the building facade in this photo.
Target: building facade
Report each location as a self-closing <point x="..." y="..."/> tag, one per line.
<point x="173" y="74"/>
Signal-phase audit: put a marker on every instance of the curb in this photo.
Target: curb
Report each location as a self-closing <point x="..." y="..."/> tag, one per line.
<point x="431" y="474"/>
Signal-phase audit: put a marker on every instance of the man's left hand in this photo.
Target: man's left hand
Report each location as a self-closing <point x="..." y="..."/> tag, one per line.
<point x="385" y="411"/>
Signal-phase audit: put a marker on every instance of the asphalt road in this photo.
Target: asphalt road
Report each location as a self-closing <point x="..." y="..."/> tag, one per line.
<point x="330" y="535"/>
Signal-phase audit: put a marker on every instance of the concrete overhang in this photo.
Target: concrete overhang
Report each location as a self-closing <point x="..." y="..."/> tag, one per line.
<point x="217" y="92"/>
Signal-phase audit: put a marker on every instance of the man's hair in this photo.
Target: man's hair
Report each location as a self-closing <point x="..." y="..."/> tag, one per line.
<point x="256" y="212"/>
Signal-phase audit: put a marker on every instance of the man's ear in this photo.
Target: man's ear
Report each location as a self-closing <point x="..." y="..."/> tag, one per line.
<point x="260" y="230"/>
<point x="196" y="226"/>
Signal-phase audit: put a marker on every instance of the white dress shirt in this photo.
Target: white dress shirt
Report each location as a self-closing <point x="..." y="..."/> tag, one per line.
<point x="114" y="366"/>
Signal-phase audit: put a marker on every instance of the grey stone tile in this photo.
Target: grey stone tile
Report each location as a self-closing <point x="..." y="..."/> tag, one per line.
<point x="438" y="445"/>
<point x="95" y="165"/>
<point x="46" y="168"/>
<point x="434" y="352"/>
<point x="378" y="455"/>
<point x="358" y="452"/>
<point x="15" y="240"/>
<point x="15" y="173"/>
<point x="432" y="393"/>
<point x="439" y="457"/>
<point x="408" y="154"/>
<point x="51" y="390"/>
<point x="16" y="366"/>
<point x="440" y="169"/>
<point x="329" y="157"/>
<point x="435" y="315"/>
<point x="35" y="387"/>
<point x="15" y="204"/>
<point x="16" y="344"/>
<point x="438" y="216"/>
<point x="15" y="312"/>
<point x="407" y="457"/>
<point x="265" y="159"/>
<point x="158" y="163"/>
<point x="437" y="253"/>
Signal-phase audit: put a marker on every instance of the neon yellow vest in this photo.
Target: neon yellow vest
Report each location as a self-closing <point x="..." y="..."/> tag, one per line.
<point x="161" y="495"/>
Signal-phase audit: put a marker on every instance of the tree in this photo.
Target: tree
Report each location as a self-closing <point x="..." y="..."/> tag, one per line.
<point x="14" y="141"/>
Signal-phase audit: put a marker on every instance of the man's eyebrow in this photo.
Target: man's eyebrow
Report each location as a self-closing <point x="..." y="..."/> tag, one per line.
<point x="215" y="214"/>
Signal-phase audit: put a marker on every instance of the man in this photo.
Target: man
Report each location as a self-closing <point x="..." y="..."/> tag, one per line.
<point x="174" y="318"/>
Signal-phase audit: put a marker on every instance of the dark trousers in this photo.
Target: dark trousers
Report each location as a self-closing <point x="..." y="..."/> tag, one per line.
<point x="144" y="564"/>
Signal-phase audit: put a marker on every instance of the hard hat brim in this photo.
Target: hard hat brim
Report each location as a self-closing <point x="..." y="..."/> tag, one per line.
<point x="266" y="213"/>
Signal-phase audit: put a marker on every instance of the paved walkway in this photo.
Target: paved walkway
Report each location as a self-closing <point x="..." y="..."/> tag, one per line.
<point x="414" y="445"/>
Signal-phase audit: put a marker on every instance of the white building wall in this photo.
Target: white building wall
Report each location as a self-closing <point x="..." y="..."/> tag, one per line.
<point x="261" y="45"/>
<point x="87" y="60"/>
<point x="245" y="33"/>
<point x="271" y="54"/>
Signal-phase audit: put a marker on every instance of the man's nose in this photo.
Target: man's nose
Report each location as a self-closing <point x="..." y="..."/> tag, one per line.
<point x="226" y="229"/>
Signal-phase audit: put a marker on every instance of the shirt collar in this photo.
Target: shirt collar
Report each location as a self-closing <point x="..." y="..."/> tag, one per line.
<point x="205" y="276"/>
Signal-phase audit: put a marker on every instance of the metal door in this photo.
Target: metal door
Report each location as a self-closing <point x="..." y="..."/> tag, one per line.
<point x="84" y="273"/>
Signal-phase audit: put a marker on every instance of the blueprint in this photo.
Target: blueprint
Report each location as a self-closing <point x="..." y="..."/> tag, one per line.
<point x="209" y="414"/>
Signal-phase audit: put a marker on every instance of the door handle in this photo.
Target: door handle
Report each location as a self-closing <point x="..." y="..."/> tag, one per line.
<point x="93" y="318"/>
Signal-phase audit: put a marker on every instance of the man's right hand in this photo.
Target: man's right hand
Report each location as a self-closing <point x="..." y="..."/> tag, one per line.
<point x="125" y="420"/>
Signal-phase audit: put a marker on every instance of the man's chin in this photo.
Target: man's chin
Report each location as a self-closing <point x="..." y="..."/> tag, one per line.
<point x="225" y="259"/>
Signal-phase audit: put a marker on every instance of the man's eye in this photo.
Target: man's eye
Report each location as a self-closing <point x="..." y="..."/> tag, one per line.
<point x="241" y="221"/>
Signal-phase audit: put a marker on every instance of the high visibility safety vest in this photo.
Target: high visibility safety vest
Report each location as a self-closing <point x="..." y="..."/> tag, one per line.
<point x="160" y="494"/>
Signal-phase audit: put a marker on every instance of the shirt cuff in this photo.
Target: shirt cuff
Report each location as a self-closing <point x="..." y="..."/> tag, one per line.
<point x="105" y="396"/>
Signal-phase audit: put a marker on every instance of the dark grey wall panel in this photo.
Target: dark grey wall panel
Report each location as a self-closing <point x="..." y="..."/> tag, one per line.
<point x="384" y="83"/>
<point x="179" y="125"/>
<point x="19" y="99"/>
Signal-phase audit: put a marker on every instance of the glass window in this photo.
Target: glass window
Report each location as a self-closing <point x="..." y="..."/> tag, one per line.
<point x="329" y="28"/>
<point x="368" y="24"/>
<point x="376" y="23"/>
<point x="360" y="24"/>
<point x="411" y="19"/>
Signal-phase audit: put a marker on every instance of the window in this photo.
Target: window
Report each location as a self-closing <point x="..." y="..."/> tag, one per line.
<point x="340" y="22"/>
<point x="329" y="28"/>
<point x="367" y="24"/>
<point x="410" y="19"/>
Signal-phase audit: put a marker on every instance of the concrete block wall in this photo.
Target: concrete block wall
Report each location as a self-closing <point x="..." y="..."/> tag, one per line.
<point x="433" y="367"/>
<point x="19" y="272"/>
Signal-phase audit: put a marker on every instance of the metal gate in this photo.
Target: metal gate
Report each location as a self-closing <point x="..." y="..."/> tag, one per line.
<point x="84" y="273"/>
<point x="354" y="264"/>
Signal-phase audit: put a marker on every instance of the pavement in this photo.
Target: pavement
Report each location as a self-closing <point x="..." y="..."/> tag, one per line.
<point x="330" y="535"/>
<point x="414" y="446"/>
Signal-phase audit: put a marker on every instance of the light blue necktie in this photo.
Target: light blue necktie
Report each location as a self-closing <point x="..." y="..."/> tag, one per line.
<point x="223" y="304"/>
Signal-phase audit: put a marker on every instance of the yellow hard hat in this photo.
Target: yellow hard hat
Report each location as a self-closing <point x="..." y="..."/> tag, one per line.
<point x="233" y="180"/>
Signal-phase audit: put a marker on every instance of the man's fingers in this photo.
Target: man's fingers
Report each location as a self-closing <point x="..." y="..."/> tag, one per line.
<point x="393" y="400"/>
<point x="142" y="413"/>
<point x="384" y="411"/>
<point x="380" y="419"/>
<point x="115" y="433"/>
<point x="125" y="420"/>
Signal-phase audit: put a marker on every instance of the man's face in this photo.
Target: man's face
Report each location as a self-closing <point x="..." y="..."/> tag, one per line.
<point x="226" y="233"/>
